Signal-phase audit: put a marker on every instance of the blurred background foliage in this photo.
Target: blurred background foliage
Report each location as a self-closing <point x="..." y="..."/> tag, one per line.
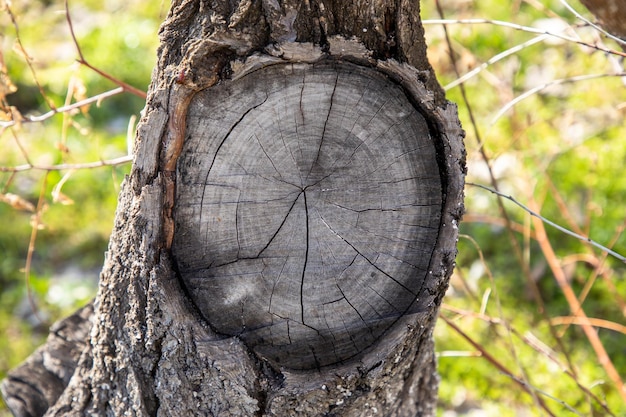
<point x="560" y="151"/>
<point x="507" y="342"/>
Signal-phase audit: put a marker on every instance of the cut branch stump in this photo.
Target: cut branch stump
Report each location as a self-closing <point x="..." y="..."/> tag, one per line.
<point x="287" y="232"/>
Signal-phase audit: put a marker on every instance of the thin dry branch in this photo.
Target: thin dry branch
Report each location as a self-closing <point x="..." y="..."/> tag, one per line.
<point x="551" y="223"/>
<point x="36" y="119"/>
<point x="590" y="23"/>
<point x="127" y="87"/>
<point x="491" y="359"/>
<point x="470" y="217"/>
<point x="572" y="300"/>
<point x="478" y="136"/>
<point x="35" y="225"/>
<point x="563" y="208"/>
<point x="529" y="29"/>
<point x="510" y="345"/>
<point x="27" y="57"/>
<point x="532" y="218"/>
<point x="20" y="146"/>
<point x="588" y="321"/>
<point x="62" y="167"/>
<point x="524" y="266"/>
<point x="543" y="86"/>
<point x="494" y="59"/>
<point x="600" y="270"/>
<point x="545" y="394"/>
<point x="530" y="340"/>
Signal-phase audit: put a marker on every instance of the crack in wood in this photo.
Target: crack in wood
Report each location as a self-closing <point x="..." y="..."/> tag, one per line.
<point x="306" y="256"/>
<point x="373" y="263"/>
<point x="304" y="215"/>
<point x="330" y="109"/>
<point x="222" y="143"/>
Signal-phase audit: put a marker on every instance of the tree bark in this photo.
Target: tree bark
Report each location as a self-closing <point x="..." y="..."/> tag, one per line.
<point x="611" y="14"/>
<point x="186" y="322"/>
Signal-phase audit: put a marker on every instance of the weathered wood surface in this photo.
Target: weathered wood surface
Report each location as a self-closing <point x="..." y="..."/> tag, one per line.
<point x="309" y="203"/>
<point x="151" y="351"/>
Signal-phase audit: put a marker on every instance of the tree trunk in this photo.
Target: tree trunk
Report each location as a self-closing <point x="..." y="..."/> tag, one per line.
<point x="611" y="14"/>
<point x="286" y="235"/>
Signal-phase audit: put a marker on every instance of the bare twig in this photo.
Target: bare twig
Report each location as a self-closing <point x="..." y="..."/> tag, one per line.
<point x="529" y="29"/>
<point x="530" y="340"/>
<point x="471" y="217"/>
<point x="517" y="250"/>
<point x="491" y="359"/>
<point x="51" y="113"/>
<point x="494" y="59"/>
<point x="466" y="313"/>
<point x="535" y="90"/>
<point x="478" y="136"/>
<point x="503" y="321"/>
<point x="598" y="270"/>
<point x="62" y="167"/>
<point x="545" y="394"/>
<point x="127" y="87"/>
<point x="572" y="300"/>
<point x="563" y="209"/>
<point x="598" y="264"/>
<point x="20" y="146"/>
<point x="27" y="58"/>
<point x="589" y="321"/>
<point x="35" y="224"/>
<point x="590" y="23"/>
<point x="551" y="223"/>
<point x="531" y="218"/>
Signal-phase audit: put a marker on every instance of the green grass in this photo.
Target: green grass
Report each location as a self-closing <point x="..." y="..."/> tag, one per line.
<point x="560" y="151"/>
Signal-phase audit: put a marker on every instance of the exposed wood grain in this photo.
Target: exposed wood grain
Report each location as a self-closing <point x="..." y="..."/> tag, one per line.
<point x="308" y="207"/>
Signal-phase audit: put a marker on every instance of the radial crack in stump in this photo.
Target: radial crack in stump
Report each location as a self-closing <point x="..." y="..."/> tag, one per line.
<point x="308" y="206"/>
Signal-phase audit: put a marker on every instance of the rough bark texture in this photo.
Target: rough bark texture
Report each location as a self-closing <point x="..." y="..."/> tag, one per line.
<point x="150" y="351"/>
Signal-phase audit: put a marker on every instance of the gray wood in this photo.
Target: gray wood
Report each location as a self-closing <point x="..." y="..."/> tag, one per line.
<point x="151" y="350"/>
<point x="308" y="208"/>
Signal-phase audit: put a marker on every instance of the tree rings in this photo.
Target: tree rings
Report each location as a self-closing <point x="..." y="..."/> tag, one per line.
<point x="309" y="201"/>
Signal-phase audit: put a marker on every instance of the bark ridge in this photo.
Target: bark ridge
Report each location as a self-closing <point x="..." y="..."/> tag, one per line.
<point x="150" y="351"/>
